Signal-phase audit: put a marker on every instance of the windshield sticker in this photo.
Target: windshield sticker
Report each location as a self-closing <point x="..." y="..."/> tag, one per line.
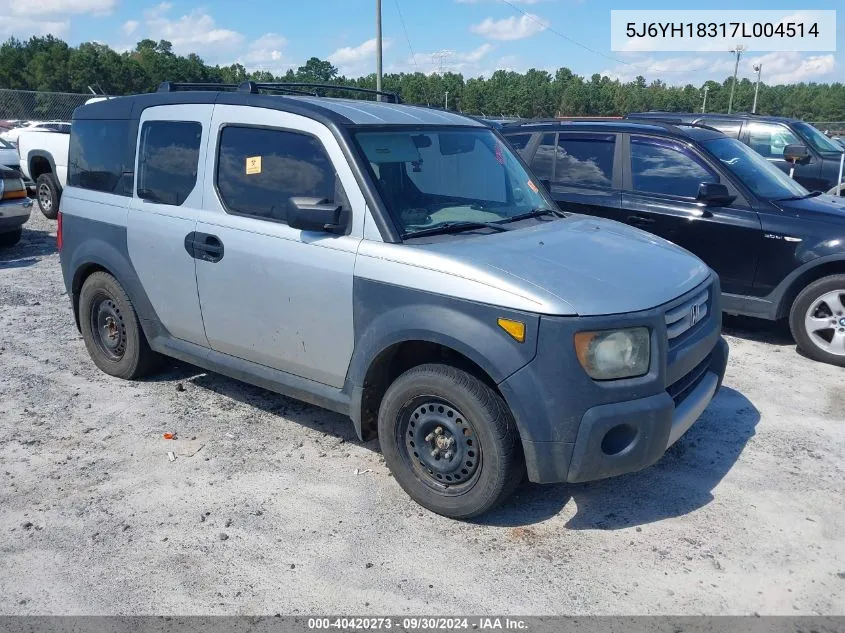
<point x="253" y="165"/>
<point x="500" y="155"/>
<point x="533" y="187"/>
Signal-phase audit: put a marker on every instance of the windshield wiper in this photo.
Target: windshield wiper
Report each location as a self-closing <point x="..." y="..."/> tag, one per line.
<point x="535" y="213"/>
<point x="454" y="227"/>
<point x="812" y="194"/>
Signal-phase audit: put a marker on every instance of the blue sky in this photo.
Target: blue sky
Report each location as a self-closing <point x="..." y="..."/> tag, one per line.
<point x="475" y="37"/>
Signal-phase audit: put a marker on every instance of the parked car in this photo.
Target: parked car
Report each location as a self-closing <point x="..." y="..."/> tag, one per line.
<point x="14" y="207"/>
<point x="44" y="126"/>
<point x="778" y="249"/>
<point x="769" y="136"/>
<point x="43" y="159"/>
<point x="8" y="155"/>
<point x="393" y="263"/>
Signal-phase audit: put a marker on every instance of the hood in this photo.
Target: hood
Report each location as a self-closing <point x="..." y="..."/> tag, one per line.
<point x="818" y="208"/>
<point x="595" y="266"/>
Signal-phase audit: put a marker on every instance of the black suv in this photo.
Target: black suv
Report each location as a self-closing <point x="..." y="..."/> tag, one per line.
<point x="779" y="249"/>
<point x="769" y="136"/>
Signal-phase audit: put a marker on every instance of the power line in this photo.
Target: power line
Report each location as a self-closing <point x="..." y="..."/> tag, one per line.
<point x="548" y="27"/>
<point x="411" y="48"/>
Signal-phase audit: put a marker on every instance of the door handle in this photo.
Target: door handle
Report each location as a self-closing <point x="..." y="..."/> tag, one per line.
<point x="640" y="220"/>
<point x="204" y="246"/>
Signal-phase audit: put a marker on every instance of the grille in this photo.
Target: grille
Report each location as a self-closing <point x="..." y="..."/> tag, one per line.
<point x="683" y="318"/>
<point x="681" y="388"/>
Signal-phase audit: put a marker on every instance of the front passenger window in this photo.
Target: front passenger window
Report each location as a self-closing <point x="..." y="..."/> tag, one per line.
<point x="661" y="166"/>
<point x="259" y="170"/>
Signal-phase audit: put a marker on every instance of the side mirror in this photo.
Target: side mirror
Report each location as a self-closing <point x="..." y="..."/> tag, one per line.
<point x="714" y="194"/>
<point x="315" y="214"/>
<point x="796" y="154"/>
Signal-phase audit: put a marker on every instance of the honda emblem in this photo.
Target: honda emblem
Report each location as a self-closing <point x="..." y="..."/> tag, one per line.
<point x="694" y="315"/>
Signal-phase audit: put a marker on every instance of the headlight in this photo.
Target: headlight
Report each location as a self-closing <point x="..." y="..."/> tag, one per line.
<point x="613" y="354"/>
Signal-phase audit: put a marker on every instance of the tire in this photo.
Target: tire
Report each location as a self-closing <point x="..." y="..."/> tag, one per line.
<point x="111" y="330"/>
<point x="10" y="238"/>
<point x="48" y="193"/>
<point x="486" y="463"/>
<point x="817" y="320"/>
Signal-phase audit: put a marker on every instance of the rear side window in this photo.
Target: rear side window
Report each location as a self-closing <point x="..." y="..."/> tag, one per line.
<point x="770" y="139"/>
<point x="660" y="166"/>
<point x="518" y="141"/>
<point x="99" y="156"/>
<point x="167" y="160"/>
<point x="543" y="163"/>
<point x="260" y="170"/>
<point x="585" y="159"/>
<point x="729" y="128"/>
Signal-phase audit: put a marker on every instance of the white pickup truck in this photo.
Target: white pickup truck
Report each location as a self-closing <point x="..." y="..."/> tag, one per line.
<point x="43" y="159"/>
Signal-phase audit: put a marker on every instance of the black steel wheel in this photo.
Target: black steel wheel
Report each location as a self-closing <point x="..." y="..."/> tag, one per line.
<point x="440" y="444"/>
<point x="111" y="329"/>
<point x="450" y="441"/>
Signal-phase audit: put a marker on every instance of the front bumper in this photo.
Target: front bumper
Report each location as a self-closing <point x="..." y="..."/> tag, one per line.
<point x="575" y="429"/>
<point x="14" y="213"/>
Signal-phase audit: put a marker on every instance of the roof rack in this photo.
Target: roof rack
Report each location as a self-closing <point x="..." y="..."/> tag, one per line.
<point x="172" y="86"/>
<point x="255" y="87"/>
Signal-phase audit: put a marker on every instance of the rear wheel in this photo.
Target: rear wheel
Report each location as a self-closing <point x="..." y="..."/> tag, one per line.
<point x="111" y="330"/>
<point x="48" y="193"/>
<point x="10" y="238"/>
<point x="450" y="441"/>
<point x="817" y="320"/>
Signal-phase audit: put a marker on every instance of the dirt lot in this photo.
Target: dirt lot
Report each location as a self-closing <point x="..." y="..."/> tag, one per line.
<point x="745" y="514"/>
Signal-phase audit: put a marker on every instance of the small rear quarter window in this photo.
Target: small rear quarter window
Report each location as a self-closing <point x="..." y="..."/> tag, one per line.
<point x="99" y="155"/>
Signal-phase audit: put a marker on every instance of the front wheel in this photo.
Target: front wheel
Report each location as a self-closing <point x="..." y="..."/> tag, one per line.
<point x="817" y="320"/>
<point x="450" y="441"/>
<point x="47" y="192"/>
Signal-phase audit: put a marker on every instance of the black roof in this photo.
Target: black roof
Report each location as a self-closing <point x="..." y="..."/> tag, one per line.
<point x="689" y="130"/>
<point x="696" y="116"/>
<point x="333" y="111"/>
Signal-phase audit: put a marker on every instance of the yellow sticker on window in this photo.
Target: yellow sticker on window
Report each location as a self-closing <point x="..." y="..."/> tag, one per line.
<point x="253" y="165"/>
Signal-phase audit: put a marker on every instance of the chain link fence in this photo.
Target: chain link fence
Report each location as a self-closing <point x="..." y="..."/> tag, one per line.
<point x="39" y="106"/>
<point x="834" y="128"/>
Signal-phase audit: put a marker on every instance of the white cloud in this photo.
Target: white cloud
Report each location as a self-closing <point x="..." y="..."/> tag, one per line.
<point x="792" y="67"/>
<point x="778" y="68"/>
<point x="266" y="53"/>
<point x="356" y="60"/>
<point x="11" y="26"/>
<point x="513" y="28"/>
<point x="130" y="26"/>
<point x="470" y="63"/>
<point x="157" y="11"/>
<point x="194" y="32"/>
<point x="54" y="7"/>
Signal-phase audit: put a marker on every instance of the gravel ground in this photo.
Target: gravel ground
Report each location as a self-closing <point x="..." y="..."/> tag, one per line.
<point x="262" y="511"/>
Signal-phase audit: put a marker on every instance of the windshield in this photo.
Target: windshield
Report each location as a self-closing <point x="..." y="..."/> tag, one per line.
<point x="756" y="173"/>
<point x="817" y="139"/>
<point x="443" y="176"/>
<point x="6" y="144"/>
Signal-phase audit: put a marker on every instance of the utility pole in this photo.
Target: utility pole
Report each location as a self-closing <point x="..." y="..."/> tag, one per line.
<point x="447" y="99"/>
<point x="378" y="47"/>
<point x="759" y="69"/>
<point x="704" y="103"/>
<point x="736" y="50"/>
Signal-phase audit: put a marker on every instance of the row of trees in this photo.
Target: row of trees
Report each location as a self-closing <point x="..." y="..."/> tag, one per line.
<point x="49" y="64"/>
